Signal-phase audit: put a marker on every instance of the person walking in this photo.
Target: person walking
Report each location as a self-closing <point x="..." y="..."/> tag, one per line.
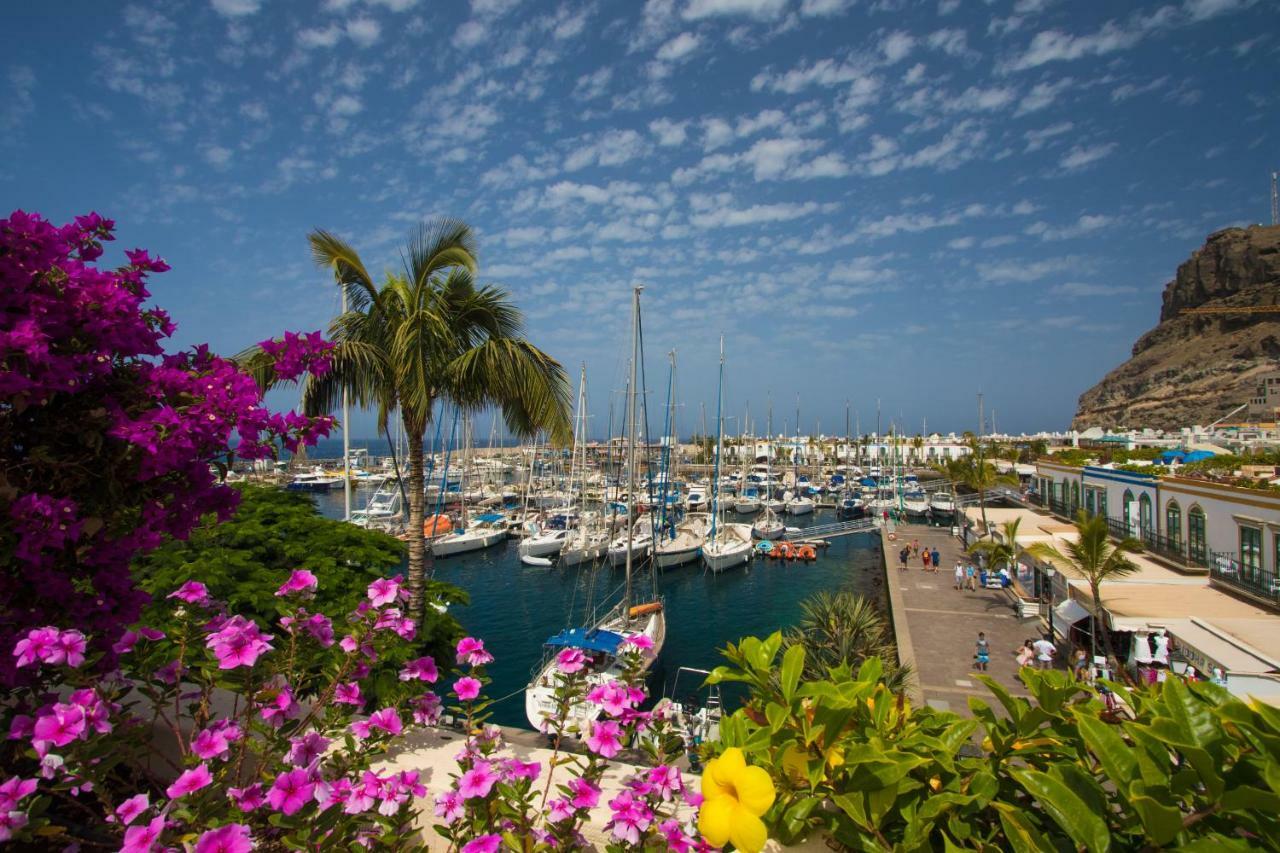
<point x="1045" y="651"/>
<point x="1026" y="654"/>
<point x="915" y="547"/>
<point x="971" y="577"/>
<point x="924" y="559"/>
<point x="982" y="653"/>
<point x="937" y="560"/>
<point x="1080" y="665"/>
<point x="903" y="556"/>
<point x="959" y="575"/>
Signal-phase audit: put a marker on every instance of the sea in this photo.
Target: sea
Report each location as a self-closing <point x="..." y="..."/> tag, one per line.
<point x="514" y="608"/>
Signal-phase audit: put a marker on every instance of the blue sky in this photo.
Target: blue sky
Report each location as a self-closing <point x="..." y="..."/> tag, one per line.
<point x="910" y="201"/>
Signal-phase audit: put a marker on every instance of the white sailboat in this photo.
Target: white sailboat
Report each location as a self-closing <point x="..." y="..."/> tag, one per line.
<point x="603" y="641"/>
<point x="799" y="503"/>
<point x="479" y="533"/>
<point x="590" y="540"/>
<point x="728" y="545"/>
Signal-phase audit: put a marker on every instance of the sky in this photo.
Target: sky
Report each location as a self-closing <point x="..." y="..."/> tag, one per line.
<point x="909" y="202"/>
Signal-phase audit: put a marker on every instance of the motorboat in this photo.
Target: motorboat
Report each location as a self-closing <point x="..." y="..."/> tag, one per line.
<point x="916" y="505"/>
<point x="543" y="543"/>
<point x="943" y="507"/>
<point x="696" y="498"/>
<point x="315" y="480"/>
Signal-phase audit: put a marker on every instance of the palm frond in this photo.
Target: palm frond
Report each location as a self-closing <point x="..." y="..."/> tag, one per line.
<point x="437" y="245"/>
<point x="332" y="253"/>
<point x="529" y="386"/>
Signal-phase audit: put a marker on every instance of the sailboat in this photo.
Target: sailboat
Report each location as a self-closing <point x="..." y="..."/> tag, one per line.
<point x="589" y="541"/>
<point x="800" y="503"/>
<point x="483" y="531"/>
<point x="768" y="525"/>
<point x="676" y="543"/>
<point x="728" y="545"/>
<point x="603" y="640"/>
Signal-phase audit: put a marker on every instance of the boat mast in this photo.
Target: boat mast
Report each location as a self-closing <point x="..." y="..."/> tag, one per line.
<point x="346" y="433"/>
<point x="631" y="443"/>
<point x="715" y="482"/>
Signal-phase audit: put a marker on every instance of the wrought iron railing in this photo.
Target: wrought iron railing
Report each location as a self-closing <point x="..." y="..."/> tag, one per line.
<point x="1225" y="569"/>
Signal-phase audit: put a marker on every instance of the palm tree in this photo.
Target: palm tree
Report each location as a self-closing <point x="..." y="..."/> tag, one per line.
<point x="843" y="628"/>
<point x="917" y="442"/>
<point x="1004" y="551"/>
<point x="427" y="335"/>
<point x="981" y="476"/>
<point x="1094" y="557"/>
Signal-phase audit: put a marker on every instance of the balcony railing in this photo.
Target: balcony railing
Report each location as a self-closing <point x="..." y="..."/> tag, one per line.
<point x="1225" y="569"/>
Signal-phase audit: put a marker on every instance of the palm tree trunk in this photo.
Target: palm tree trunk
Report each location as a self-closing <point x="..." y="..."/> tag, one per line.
<point x="1099" y="626"/>
<point x="417" y="535"/>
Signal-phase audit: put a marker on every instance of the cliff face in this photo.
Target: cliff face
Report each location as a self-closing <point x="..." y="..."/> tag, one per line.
<point x="1193" y="369"/>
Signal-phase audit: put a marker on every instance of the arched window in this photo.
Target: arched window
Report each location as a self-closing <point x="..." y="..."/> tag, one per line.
<point x="1124" y="509"/>
<point x="1075" y="495"/>
<point x="1144" y="513"/>
<point x="1173" y="523"/>
<point x="1197" y="546"/>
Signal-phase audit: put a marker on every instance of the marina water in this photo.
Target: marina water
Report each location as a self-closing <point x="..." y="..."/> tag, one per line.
<point x="515" y="607"/>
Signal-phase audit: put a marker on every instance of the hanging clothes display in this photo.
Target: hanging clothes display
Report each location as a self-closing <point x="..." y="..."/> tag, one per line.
<point x="1140" y="651"/>
<point x="1160" y="654"/>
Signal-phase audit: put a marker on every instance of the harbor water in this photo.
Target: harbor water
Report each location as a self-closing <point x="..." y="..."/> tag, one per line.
<point x="515" y="607"/>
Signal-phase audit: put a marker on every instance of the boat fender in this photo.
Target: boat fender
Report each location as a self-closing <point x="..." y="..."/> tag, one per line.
<point x="893" y="537"/>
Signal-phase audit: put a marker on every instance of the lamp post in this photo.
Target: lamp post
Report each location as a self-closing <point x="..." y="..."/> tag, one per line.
<point x="1049" y="572"/>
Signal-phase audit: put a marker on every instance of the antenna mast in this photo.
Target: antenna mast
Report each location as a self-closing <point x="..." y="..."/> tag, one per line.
<point x="1275" y="200"/>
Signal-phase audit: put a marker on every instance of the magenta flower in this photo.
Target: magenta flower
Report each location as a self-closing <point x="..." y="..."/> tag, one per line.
<point x="11" y="822"/>
<point x="348" y="693"/>
<point x="665" y="780"/>
<point x="142" y="839"/>
<point x="426" y="709"/>
<point x="613" y="697"/>
<point x="605" y="738"/>
<point x="483" y="844"/>
<point x="466" y="688"/>
<point x="320" y="628"/>
<point x="558" y="810"/>
<point x="192" y="592"/>
<point x="61" y="725"/>
<point x="210" y="743"/>
<point x="571" y="660"/>
<point x="238" y="642"/>
<point x="423" y="669"/>
<point x="387" y="719"/>
<point x="248" y="798"/>
<point x="675" y="837"/>
<point x="279" y="708"/>
<point x="232" y="838"/>
<point x="471" y="651"/>
<point x="478" y="781"/>
<point x="300" y="581"/>
<point x="517" y="769"/>
<point x="128" y="811"/>
<point x="15" y="791"/>
<point x="189" y="781"/>
<point x="71" y="646"/>
<point x="383" y="591"/>
<point x="585" y="794"/>
<point x="306" y="749"/>
<point x="40" y="644"/>
<point x="631" y="816"/>
<point x="639" y="641"/>
<point x="291" y="791"/>
<point x="449" y="806"/>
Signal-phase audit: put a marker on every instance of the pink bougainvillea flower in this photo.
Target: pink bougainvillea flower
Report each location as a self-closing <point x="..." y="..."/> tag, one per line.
<point x="61" y="725"/>
<point x="301" y="580"/>
<point x="306" y="749"/>
<point x="614" y="698"/>
<point x="585" y="794"/>
<point x="471" y="652"/>
<point x="605" y="738"/>
<point x="232" y="838"/>
<point x="483" y="844"/>
<point x="571" y="660"/>
<point x="478" y="781"/>
<point x="466" y="688"/>
<point x="291" y="791"/>
<point x="129" y="810"/>
<point x="559" y="809"/>
<point x="248" y="798"/>
<point x="320" y="627"/>
<point x="348" y="693"/>
<point x="422" y="669"/>
<point x="238" y="642"/>
<point x="631" y="816"/>
<point x="192" y="592"/>
<point x="189" y="781"/>
<point x="638" y="641"/>
<point x="210" y="743"/>
<point x="383" y="591"/>
<point x="387" y="719"/>
<point x="142" y="839"/>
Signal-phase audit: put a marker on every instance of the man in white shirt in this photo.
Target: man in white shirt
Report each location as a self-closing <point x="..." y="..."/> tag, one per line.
<point x="1045" y="650"/>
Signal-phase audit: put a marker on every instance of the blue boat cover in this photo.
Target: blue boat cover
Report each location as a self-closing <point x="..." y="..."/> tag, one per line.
<point x="867" y="481"/>
<point x="591" y="639"/>
<point x="490" y="517"/>
<point x="1197" y="455"/>
<point x="1171" y="455"/>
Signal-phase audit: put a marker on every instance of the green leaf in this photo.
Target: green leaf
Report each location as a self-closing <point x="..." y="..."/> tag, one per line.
<point x="1066" y="808"/>
<point x="1159" y="821"/>
<point x="778" y="716"/>
<point x="1245" y="797"/>
<point x="1192" y="716"/>
<point x="1115" y="756"/>
<point x="1022" y="834"/>
<point x="792" y="667"/>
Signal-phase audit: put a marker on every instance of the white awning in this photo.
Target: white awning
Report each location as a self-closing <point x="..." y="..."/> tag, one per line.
<point x="1070" y="611"/>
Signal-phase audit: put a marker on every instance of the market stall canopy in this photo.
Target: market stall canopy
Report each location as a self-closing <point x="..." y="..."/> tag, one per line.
<point x="1070" y="611"/>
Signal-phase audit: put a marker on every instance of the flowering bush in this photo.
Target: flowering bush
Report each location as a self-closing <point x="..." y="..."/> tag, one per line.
<point x="109" y="443"/>
<point x="218" y="733"/>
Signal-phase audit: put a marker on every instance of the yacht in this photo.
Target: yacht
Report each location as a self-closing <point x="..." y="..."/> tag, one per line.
<point x="315" y="480"/>
<point x="640" y="543"/>
<point x="728" y="547"/>
<point x="916" y="505"/>
<point x="943" y="507"/>
<point x="484" y="531"/>
<point x="682" y="545"/>
<point x="800" y="504"/>
<point x="696" y="499"/>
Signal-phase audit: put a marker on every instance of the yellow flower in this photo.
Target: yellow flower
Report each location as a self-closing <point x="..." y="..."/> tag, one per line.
<point x="735" y="795"/>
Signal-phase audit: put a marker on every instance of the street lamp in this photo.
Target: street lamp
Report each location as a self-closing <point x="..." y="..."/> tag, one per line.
<point x="1049" y="572"/>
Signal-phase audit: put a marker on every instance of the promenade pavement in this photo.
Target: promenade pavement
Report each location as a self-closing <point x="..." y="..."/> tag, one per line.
<point x="943" y="623"/>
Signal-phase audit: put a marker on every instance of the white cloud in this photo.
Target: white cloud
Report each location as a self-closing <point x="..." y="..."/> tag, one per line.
<point x="236" y="8"/>
<point x="395" y="5"/>
<point x="20" y="103"/>
<point x="1023" y="271"/>
<point x="825" y="8"/>
<point x="1056" y="46"/>
<point x="363" y="31"/>
<point x="216" y="155"/>
<point x="975" y="99"/>
<point x="952" y="42"/>
<point x="763" y="9"/>
<point x="1201" y="10"/>
<point x="593" y="85"/>
<point x="1084" y="225"/>
<point x="824" y="72"/>
<point x="1131" y="90"/>
<point x="896" y="46"/>
<point x="611" y="148"/>
<point x="1076" y="289"/>
<point x="946" y="7"/>
<point x="726" y="216"/>
<point x="960" y="243"/>
<point x="345" y="105"/>
<point x="961" y="143"/>
<point x="1043" y="95"/>
<point x="1079" y="157"/>
<point x="669" y="132"/>
<point x="315" y="37"/>
<point x="1036" y="139"/>
<point x="715" y="133"/>
<point x="679" y="47"/>
<point x="470" y="34"/>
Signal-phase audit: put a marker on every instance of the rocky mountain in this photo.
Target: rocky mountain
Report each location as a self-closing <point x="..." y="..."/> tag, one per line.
<point x="1194" y="369"/>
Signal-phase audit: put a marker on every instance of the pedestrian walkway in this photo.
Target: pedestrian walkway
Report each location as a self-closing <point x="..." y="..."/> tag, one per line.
<point x="943" y="623"/>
